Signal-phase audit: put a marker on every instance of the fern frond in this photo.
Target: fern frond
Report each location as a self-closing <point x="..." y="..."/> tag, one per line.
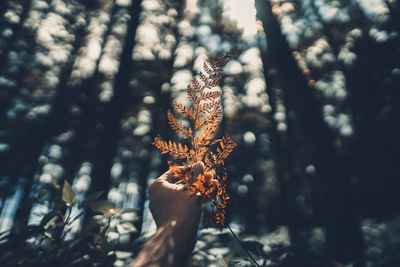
<point x="216" y="75"/>
<point x="208" y="162"/>
<point x="202" y="76"/>
<point x="177" y="151"/>
<point x="202" y="151"/>
<point x="231" y="53"/>
<point x="213" y="126"/>
<point x="212" y="83"/>
<point x="204" y="115"/>
<point x="203" y="138"/>
<point x="211" y="122"/>
<point x="206" y="133"/>
<point x="207" y="69"/>
<point x="210" y="95"/>
<point x="198" y="123"/>
<point x="186" y="111"/>
<point x="214" y="117"/>
<point x="192" y="95"/>
<point x="178" y="127"/>
<point x="208" y="106"/>
<point x="226" y="147"/>
<point x="197" y="86"/>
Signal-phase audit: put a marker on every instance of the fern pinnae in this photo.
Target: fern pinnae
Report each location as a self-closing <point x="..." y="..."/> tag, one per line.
<point x="202" y="76"/>
<point x="210" y="95"/>
<point x="192" y="95"/>
<point x="204" y="116"/>
<point x="207" y="69"/>
<point x="178" y="126"/>
<point x="186" y="111"/>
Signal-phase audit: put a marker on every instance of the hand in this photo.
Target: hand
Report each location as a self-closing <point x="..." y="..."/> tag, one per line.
<point x="170" y="202"/>
<point x="177" y="215"/>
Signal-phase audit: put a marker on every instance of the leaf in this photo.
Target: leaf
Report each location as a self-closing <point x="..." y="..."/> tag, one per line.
<point x="204" y="113"/>
<point x="228" y="258"/>
<point x="177" y="151"/>
<point x="89" y="199"/>
<point x="68" y="195"/>
<point x="254" y="246"/>
<point x="46" y="218"/>
<point x="55" y="182"/>
<point x="129" y="210"/>
<point x="111" y="212"/>
<point x="102" y="206"/>
<point x="206" y="68"/>
<point x="178" y="127"/>
<point x="192" y="95"/>
<point x="42" y="193"/>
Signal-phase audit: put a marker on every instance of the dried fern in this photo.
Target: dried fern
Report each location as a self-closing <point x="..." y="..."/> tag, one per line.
<point x="204" y="116"/>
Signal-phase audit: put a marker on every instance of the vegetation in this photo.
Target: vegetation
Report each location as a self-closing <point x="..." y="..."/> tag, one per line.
<point x="51" y="241"/>
<point x="312" y="102"/>
<point x="204" y="116"/>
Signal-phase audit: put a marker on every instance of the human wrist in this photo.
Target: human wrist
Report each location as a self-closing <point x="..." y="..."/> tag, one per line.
<point x="185" y="235"/>
<point x="182" y="223"/>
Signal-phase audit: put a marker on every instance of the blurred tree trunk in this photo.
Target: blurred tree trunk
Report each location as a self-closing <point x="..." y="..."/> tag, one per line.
<point x="344" y="241"/>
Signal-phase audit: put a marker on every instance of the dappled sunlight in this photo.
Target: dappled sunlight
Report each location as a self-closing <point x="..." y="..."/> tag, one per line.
<point x="244" y="14"/>
<point x="10" y="205"/>
<point x="311" y="99"/>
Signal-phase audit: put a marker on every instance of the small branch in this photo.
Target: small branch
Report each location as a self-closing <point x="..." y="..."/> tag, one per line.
<point x="240" y="243"/>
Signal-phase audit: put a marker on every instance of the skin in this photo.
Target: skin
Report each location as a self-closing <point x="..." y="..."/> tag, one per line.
<point x="177" y="215"/>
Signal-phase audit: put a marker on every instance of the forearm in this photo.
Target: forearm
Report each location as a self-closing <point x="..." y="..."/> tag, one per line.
<point x="170" y="246"/>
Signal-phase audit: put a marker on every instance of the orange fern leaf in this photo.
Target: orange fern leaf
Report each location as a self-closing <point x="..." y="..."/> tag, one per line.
<point x="202" y="76"/>
<point x="204" y="115"/>
<point x="210" y="95"/>
<point x="178" y="127"/>
<point x="192" y="95"/>
<point x="176" y="151"/>
<point x="186" y="111"/>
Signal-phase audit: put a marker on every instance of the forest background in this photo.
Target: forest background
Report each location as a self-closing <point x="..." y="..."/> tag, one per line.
<point x="312" y="101"/>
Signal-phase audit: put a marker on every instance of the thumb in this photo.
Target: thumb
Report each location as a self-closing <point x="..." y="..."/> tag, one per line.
<point x="196" y="170"/>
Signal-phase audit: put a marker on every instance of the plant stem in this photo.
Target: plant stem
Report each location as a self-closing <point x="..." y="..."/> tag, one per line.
<point x="240" y="243"/>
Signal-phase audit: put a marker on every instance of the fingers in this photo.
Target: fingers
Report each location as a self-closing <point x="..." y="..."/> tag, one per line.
<point x="208" y="176"/>
<point x="161" y="184"/>
<point x="170" y="179"/>
<point x="195" y="169"/>
<point x="166" y="180"/>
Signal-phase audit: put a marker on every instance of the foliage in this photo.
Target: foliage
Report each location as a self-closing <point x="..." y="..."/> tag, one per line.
<point x="49" y="241"/>
<point x="204" y="116"/>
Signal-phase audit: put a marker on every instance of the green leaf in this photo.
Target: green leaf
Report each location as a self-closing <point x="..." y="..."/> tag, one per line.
<point x="46" y="218"/>
<point x="89" y="199"/>
<point x="68" y="195"/>
<point x="129" y="210"/>
<point x="112" y="212"/>
<point x="55" y="182"/>
<point x="228" y="258"/>
<point x="102" y="206"/>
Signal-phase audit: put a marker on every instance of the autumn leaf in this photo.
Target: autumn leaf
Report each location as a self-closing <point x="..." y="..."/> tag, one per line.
<point x="68" y="195"/>
<point x="204" y="115"/>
